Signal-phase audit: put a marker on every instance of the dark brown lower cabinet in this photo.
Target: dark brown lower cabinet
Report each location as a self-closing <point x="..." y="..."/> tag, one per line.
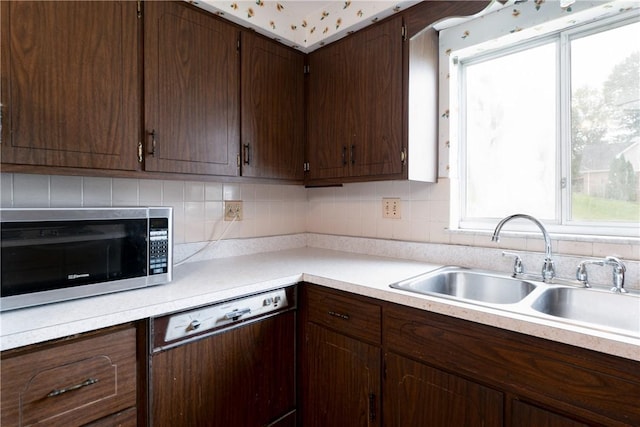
<point x="343" y="378"/>
<point x="241" y="377"/>
<point x="543" y="383"/>
<point x="526" y="415"/>
<point x="419" y="395"/>
<point x="341" y="359"/>
<point x="89" y="379"/>
<point x="435" y="370"/>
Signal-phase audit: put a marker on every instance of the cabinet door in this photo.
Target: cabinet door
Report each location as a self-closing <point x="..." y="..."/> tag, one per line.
<point x="241" y="377"/>
<point x="70" y="93"/>
<point x="330" y="111"/>
<point x="376" y="70"/>
<point x="526" y="415"/>
<point x="417" y="395"/>
<point x="191" y="91"/>
<point x="355" y="105"/>
<point x="341" y="385"/>
<point x="272" y="109"/>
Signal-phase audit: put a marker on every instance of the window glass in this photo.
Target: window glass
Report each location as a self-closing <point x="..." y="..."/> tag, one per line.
<point x="551" y="128"/>
<point x="605" y="125"/>
<point x="511" y="134"/>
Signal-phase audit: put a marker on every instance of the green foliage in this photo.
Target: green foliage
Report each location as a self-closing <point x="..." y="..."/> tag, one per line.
<point x="622" y="94"/>
<point x="621" y="184"/>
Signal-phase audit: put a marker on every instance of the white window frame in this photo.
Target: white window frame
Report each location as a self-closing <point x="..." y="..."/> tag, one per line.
<point x="561" y="224"/>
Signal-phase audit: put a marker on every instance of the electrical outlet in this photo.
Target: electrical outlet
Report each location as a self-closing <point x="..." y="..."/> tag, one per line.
<point x="391" y="208"/>
<point x="233" y="209"/>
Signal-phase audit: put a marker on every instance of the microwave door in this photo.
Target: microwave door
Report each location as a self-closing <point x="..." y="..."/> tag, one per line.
<point x="37" y="257"/>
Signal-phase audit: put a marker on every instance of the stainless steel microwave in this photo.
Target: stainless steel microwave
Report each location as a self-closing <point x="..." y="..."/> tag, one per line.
<point x="58" y="254"/>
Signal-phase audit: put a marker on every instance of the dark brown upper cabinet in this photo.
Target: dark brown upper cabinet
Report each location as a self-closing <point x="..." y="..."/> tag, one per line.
<point x="191" y="91"/>
<point x="69" y="84"/>
<point x="355" y="106"/>
<point x="272" y="105"/>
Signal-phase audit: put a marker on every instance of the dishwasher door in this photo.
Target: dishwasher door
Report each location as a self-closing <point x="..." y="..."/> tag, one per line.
<point x="241" y="374"/>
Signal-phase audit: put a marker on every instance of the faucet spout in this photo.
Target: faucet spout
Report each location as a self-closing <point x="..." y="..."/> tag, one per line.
<point x="548" y="270"/>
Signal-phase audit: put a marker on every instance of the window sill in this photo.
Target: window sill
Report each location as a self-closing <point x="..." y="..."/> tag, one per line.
<point x="617" y="240"/>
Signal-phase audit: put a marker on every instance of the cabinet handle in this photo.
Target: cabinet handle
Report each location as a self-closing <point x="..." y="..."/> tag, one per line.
<point x="372" y="407"/>
<point x="246" y="157"/>
<point x="344" y="155"/>
<point x="340" y="315"/>
<point x="140" y="153"/>
<point x="353" y="154"/>
<point x="153" y="142"/>
<point x="59" y="391"/>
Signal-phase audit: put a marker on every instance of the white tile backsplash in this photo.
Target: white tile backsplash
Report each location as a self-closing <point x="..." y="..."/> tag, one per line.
<point x="270" y="209"/>
<point x="194" y="191"/>
<point x="6" y="190"/>
<point x="213" y="191"/>
<point x="124" y="192"/>
<point x="96" y="192"/>
<point x="66" y="191"/>
<point x="172" y="191"/>
<point x="30" y="191"/>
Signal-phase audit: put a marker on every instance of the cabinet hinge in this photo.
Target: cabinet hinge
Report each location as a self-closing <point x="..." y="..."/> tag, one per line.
<point x="139" y="10"/>
<point x="404" y="32"/>
<point x="306" y="70"/>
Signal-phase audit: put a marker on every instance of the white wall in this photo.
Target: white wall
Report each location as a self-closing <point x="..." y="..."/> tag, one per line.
<point x="269" y="210"/>
<point x="198" y="206"/>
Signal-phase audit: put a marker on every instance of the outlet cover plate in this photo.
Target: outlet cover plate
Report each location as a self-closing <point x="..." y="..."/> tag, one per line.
<point x="391" y="208"/>
<point x="233" y="208"/>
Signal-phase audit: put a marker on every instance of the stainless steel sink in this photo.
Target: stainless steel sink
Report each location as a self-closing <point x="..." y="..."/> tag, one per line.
<point x="598" y="308"/>
<point x="470" y="285"/>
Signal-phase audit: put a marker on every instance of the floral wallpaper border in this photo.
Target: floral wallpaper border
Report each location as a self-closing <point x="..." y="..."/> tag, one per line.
<point x="282" y="20"/>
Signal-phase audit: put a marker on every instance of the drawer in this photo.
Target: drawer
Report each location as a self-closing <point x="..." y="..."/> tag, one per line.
<point x="356" y="317"/>
<point x="70" y="383"/>
<point x="126" y="418"/>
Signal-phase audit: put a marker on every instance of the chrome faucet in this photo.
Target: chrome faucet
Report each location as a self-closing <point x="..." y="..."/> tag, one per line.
<point x="548" y="270"/>
<point x="518" y="268"/>
<point x="618" y="274"/>
<point x="581" y="271"/>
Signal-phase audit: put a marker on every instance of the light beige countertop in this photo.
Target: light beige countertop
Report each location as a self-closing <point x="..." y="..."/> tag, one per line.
<point x="206" y="282"/>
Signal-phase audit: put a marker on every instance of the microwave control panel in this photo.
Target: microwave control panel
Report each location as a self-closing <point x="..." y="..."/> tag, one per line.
<point x="158" y="245"/>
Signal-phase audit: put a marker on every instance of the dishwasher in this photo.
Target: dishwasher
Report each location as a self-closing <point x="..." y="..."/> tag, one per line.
<point x="231" y="363"/>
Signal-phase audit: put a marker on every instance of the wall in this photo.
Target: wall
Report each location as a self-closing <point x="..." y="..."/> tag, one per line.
<point x="356" y="210"/>
<point x="198" y="206"/>
<point x="269" y="210"/>
<point x="345" y="218"/>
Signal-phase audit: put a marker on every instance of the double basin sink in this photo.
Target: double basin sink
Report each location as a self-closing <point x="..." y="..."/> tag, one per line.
<point x="591" y="308"/>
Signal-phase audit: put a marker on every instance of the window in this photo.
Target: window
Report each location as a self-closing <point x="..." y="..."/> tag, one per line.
<point x="551" y="127"/>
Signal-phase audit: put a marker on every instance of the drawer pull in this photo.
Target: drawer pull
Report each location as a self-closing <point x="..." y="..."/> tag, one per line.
<point x="340" y="315"/>
<point x="59" y="391"/>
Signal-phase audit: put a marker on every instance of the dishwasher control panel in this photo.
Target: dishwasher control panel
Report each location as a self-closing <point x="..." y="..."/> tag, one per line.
<point x="201" y="320"/>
